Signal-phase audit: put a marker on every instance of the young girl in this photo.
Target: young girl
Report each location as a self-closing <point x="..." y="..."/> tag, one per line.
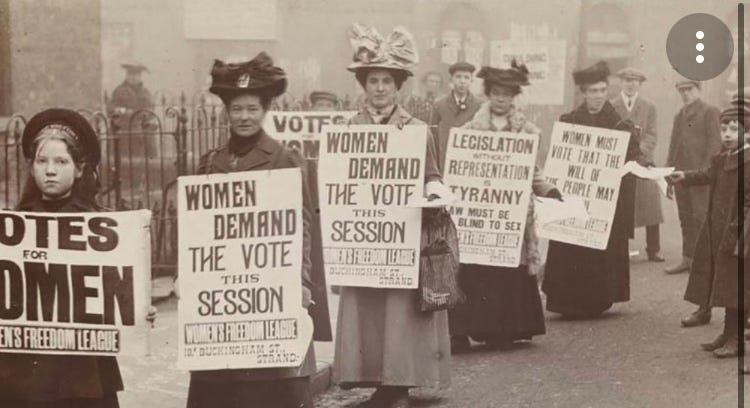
<point x="713" y="278"/>
<point x="63" y="152"/>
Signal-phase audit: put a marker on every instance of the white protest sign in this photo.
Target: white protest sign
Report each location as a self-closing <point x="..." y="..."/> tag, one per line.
<point x="491" y="174"/>
<point x="585" y="162"/>
<point x="545" y="60"/>
<point x="75" y="283"/>
<point x="301" y="130"/>
<point x="367" y="174"/>
<point x="240" y="256"/>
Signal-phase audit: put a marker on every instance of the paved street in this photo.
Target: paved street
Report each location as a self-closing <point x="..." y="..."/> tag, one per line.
<point x="636" y="356"/>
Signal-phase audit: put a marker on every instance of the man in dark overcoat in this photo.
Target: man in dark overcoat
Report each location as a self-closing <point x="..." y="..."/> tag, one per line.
<point x="695" y="140"/>
<point x="129" y="97"/>
<point x="631" y="105"/>
<point x="454" y="109"/>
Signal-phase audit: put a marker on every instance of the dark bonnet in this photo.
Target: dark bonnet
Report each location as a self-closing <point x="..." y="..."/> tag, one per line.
<point x="80" y="126"/>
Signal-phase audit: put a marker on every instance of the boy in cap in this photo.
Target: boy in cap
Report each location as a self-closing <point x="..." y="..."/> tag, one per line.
<point x="323" y="101"/>
<point x="695" y="140"/>
<point x="454" y="109"/>
<point x="630" y="105"/>
<point x="713" y="278"/>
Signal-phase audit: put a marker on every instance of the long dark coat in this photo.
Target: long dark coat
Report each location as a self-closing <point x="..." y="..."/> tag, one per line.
<point x="713" y="278"/>
<point x="695" y="140"/>
<point x="76" y="381"/>
<point x="446" y="114"/>
<point x="647" y="193"/>
<point x="225" y="387"/>
<point x="586" y="280"/>
<point x="130" y="97"/>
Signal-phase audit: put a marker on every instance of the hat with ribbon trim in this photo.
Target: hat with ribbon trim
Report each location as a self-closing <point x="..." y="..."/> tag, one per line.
<point x="371" y="50"/>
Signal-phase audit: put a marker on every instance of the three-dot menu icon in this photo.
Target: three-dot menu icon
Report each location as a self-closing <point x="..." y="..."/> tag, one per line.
<point x="700" y="46"/>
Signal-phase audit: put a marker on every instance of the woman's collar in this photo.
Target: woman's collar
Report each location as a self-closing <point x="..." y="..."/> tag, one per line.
<point x="388" y="110"/>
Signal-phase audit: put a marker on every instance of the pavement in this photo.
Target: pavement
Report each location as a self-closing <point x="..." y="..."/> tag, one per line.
<point x="155" y="381"/>
<point x="636" y="356"/>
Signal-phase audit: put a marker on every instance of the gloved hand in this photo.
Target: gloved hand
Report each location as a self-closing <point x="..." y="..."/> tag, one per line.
<point x="555" y="193"/>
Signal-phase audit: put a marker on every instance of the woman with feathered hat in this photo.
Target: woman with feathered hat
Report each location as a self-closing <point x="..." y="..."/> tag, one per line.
<point x="503" y="305"/>
<point x="382" y="340"/>
<point x="247" y="90"/>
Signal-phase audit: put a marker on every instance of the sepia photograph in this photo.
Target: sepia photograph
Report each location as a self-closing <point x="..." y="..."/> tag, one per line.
<point x="374" y="204"/>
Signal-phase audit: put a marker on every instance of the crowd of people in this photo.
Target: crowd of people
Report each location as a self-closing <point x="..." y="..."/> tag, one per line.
<point x="382" y="341"/>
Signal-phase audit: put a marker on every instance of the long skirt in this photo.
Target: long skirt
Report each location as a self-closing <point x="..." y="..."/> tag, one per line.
<point x="281" y="393"/>
<point x="383" y="340"/>
<point x="500" y="302"/>
<point x="580" y="281"/>
<point x="261" y="387"/>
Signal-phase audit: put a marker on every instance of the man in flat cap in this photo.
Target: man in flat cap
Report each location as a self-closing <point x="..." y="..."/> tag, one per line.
<point x="630" y="105"/>
<point x="695" y="139"/>
<point x="454" y="109"/>
<point x="323" y="101"/>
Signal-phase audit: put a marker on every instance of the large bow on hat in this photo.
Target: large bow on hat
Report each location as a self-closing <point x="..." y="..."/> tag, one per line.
<point x="257" y="76"/>
<point x="398" y="51"/>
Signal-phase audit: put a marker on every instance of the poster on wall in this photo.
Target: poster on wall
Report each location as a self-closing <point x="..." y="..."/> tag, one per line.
<point x="545" y="60"/>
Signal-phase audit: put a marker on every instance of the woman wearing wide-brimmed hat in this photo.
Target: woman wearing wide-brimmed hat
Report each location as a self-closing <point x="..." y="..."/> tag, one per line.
<point x="382" y="340"/>
<point x="503" y="304"/>
<point x="247" y="90"/>
<point x="582" y="282"/>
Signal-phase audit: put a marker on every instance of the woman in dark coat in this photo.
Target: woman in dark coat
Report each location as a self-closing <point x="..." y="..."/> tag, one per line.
<point x="382" y="340"/>
<point x="714" y="275"/>
<point x="63" y="152"/>
<point x="583" y="282"/>
<point x="246" y="90"/>
<point x="502" y="304"/>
